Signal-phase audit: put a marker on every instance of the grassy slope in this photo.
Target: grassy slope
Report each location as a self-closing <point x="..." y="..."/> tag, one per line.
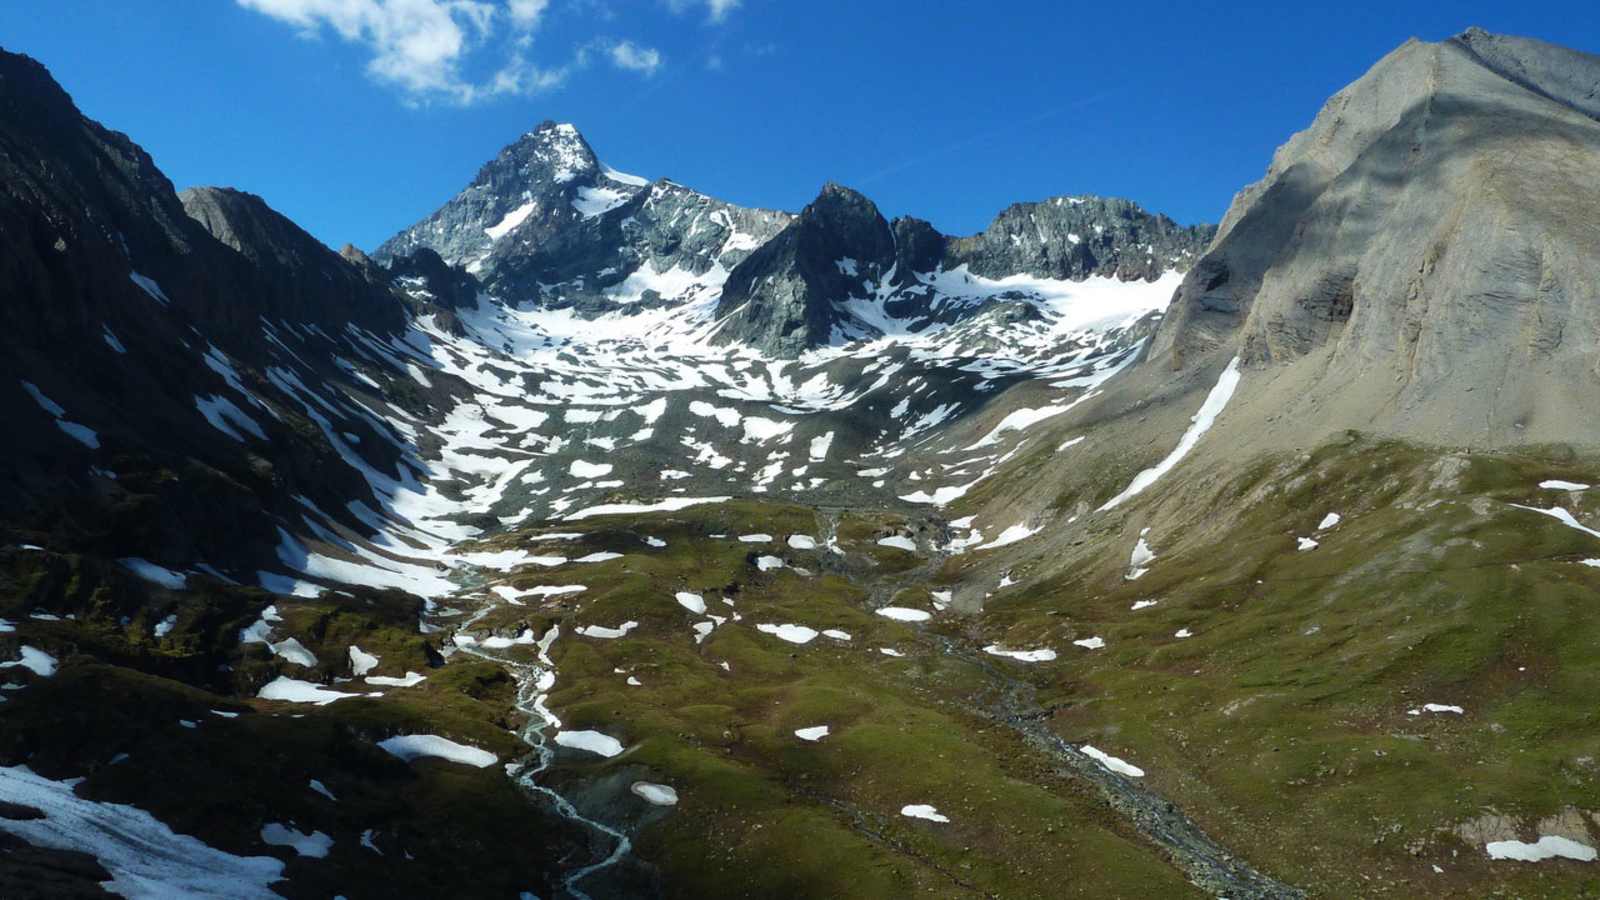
<point x="1282" y="724"/>
<point x="763" y="813"/>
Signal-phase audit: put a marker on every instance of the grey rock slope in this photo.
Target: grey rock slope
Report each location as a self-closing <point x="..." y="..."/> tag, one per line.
<point x="305" y="279"/>
<point x="139" y="334"/>
<point x="780" y="299"/>
<point x="1421" y="260"/>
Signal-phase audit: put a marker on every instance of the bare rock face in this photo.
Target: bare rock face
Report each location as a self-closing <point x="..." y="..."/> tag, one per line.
<point x="303" y="278"/>
<point x="1424" y="253"/>
<point x="781" y="298"/>
<point x="1076" y="237"/>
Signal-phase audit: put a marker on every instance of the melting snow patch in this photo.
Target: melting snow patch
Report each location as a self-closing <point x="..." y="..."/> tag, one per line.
<point x="922" y="811"/>
<point x="814" y="733"/>
<point x="82" y="434"/>
<point x="34" y="660"/>
<point x="802" y="542"/>
<point x="1041" y="655"/>
<point x="592" y="202"/>
<point x="1561" y="515"/>
<point x="149" y="286"/>
<point x="144" y="856"/>
<point x="1202" y="422"/>
<point x="581" y="469"/>
<point x="593" y="741"/>
<point x="836" y="634"/>
<point x="293" y="690"/>
<point x="411" y="679"/>
<point x="1558" y="485"/>
<point x="768" y="563"/>
<point x="692" y="602"/>
<point x="416" y="746"/>
<point x="755" y="538"/>
<point x="601" y="632"/>
<point x="1306" y="543"/>
<point x="819" y="447"/>
<point x="1111" y="762"/>
<point x="1547" y="847"/>
<point x="1090" y="643"/>
<point x="361" y="662"/>
<point x="1436" y="708"/>
<point x="1329" y="520"/>
<point x="671" y="504"/>
<point x="898" y="541"/>
<point x="315" y="845"/>
<point x="656" y="794"/>
<point x="1010" y="536"/>
<point x="1183" y="633"/>
<point x="794" y="634"/>
<point x="1139" y="562"/>
<point x="149" y="571"/>
<point x="890" y="651"/>
<point x="513" y="595"/>
<point x="903" y="614"/>
<point x="1143" y="604"/>
<point x="511" y="220"/>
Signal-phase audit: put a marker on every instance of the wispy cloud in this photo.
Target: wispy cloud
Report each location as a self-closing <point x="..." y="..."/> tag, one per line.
<point x="716" y="10"/>
<point x="423" y="47"/>
<point x="630" y="56"/>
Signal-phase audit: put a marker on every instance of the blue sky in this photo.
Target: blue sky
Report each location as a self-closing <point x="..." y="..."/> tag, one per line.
<point x="358" y="117"/>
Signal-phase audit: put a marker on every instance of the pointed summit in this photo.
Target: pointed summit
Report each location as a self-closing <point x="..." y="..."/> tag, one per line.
<point x="554" y="151"/>
<point x="781" y="298"/>
<point x="545" y="182"/>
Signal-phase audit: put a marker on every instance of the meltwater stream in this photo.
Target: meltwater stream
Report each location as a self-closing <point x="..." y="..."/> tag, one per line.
<point x="533" y="681"/>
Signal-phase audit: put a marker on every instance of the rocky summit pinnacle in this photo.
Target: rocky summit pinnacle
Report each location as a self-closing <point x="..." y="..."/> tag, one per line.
<point x="546" y="180"/>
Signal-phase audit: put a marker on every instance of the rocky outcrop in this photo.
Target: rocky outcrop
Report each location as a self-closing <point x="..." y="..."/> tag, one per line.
<point x="1427" y="246"/>
<point x="423" y="276"/>
<point x="1076" y="237"/>
<point x="132" y="341"/>
<point x="296" y="275"/>
<point x="781" y="299"/>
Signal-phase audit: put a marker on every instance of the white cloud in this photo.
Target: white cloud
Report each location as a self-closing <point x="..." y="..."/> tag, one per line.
<point x="630" y="56"/>
<point x="716" y="10"/>
<point x="526" y="13"/>
<point x="423" y="47"/>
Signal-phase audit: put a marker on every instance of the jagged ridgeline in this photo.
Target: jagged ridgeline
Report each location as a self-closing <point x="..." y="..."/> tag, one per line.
<point x="599" y="538"/>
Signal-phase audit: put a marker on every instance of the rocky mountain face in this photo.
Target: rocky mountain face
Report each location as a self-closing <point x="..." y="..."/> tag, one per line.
<point x="299" y="277"/>
<point x="546" y="222"/>
<point x="794" y="294"/>
<point x="1411" y="261"/>
<point x="782" y="283"/>
<point x="139" y="332"/>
